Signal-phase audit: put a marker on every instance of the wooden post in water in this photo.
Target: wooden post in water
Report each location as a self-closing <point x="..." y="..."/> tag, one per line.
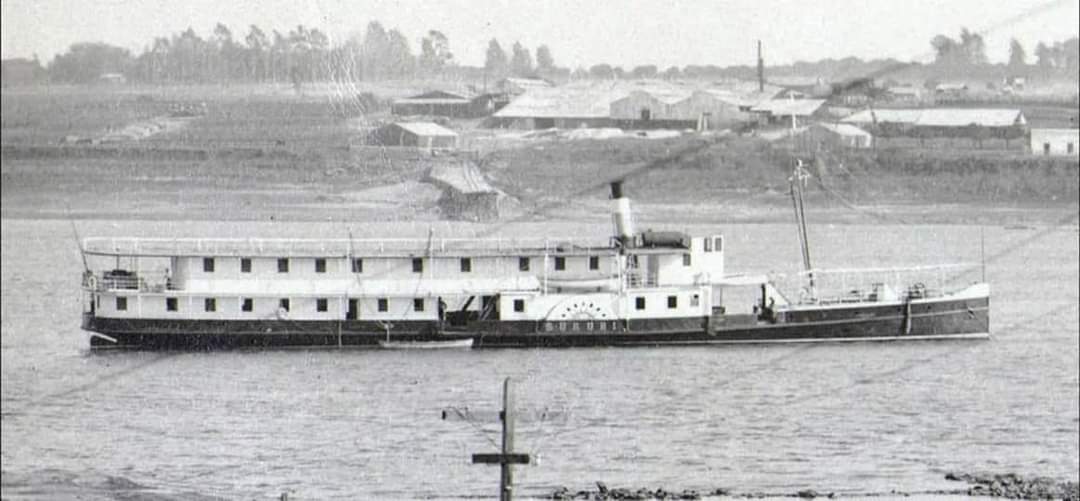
<point x="506" y="458"/>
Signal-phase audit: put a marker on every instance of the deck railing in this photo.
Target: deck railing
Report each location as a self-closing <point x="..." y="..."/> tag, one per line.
<point x="167" y="247"/>
<point x="876" y="284"/>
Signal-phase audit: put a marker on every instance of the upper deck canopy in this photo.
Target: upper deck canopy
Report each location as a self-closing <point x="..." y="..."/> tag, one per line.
<point x="385" y="247"/>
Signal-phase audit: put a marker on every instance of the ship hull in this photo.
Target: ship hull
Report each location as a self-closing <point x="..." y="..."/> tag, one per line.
<point x="943" y="318"/>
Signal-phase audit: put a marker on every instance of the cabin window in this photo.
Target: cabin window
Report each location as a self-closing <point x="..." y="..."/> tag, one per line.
<point x="646" y="114"/>
<point x="358" y="265"/>
<point x="672" y="302"/>
<point x="1046" y="148"/>
<point x="466" y="265"/>
<point x="594" y="262"/>
<point x="418" y="304"/>
<point x="208" y="264"/>
<point x="247" y="305"/>
<point x="171" y="304"/>
<point x="418" y="265"/>
<point x="245" y="265"/>
<point x="121" y="304"/>
<point x="639" y="303"/>
<point x="718" y="244"/>
<point x="283" y="265"/>
<point x="560" y="263"/>
<point x="695" y="300"/>
<point x="384" y="304"/>
<point x="320" y="265"/>
<point x="523" y="264"/>
<point x="321" y="304"/>
<point x="708" y="245"/>
<point x="1070" y="148"/>
<point x="283" y="304"/>
<point x="210" y="304"/>
<point x="519" y="305"/>
<point x="686" y="259"/>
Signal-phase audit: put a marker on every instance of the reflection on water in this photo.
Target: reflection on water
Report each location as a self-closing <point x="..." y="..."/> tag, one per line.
<point x="355" y="423"/>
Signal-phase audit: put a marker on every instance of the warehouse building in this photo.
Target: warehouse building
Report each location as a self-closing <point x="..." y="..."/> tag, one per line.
<point x="415" y="134"/>
<point x="1062" y="142"/>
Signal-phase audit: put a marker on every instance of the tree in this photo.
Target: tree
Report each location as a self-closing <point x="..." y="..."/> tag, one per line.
<point x="257" y="51"/>
<point x="375" y="51"/>
<point x="400" y="61"/>
<point x="521" y="63"/>
<point x="495" y="63"/>
<point x="86" y="62"/>
<point x="1044" y="55"/>
<point x="1017" y="55"/>
<point x="973" y="46"/>
<point x="544" y="61"/>
<point x="602" y="71"/>
<point x="969" y="50"/>
<point x="435" y="52"/>
<point x="645" y="71"/>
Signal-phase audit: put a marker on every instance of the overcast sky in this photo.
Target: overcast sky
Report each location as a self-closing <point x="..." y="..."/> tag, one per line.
<point x="579" y="32"/>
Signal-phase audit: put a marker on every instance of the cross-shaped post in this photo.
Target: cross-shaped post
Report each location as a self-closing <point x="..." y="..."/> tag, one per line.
<point x="507" y="457"/>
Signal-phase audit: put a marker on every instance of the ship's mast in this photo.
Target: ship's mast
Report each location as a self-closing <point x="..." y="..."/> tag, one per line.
<point x="797" y="181"/>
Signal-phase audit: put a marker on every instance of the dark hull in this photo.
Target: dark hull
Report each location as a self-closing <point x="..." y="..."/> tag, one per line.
<point x="940" y="319"/>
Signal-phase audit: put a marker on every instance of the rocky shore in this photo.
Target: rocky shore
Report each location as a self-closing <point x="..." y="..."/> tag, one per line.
<point x="1008" y="486"/>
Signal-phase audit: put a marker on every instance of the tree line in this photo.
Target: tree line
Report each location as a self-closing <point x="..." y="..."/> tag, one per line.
<point x="305" y="54"/>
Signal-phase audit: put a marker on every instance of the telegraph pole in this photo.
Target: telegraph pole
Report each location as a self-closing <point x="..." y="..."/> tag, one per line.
<point x="507" y="457"/>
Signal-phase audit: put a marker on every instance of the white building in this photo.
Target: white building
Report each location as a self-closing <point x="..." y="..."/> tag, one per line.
<point x="1055" y="141"/>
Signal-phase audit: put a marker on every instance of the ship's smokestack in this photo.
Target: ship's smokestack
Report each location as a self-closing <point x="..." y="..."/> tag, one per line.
<point x="624" y="222"/>
<point x="760" y="69"/>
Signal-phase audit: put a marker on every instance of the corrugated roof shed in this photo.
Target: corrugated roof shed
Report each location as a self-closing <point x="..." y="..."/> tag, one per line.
<point x="784" y="107"/>
<point x="570" y="101"/>
<point x="844" y="129"/>
<point x="426" y="129"/>
<point x="941" y="117"/>
<point x="950" y="117"/>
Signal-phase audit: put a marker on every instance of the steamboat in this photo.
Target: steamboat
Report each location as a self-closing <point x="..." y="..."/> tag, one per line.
<point x="632" y="288"/>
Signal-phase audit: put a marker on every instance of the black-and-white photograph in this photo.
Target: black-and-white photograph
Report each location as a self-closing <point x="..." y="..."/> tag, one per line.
<point x="508" y="249"/>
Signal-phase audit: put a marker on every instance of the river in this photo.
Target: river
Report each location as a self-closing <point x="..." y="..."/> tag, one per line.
<point x="367" y="424"/>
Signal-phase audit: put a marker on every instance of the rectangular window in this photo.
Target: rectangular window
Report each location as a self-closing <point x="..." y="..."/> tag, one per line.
<point x="283" y="265"/>
<point x="283" y="304"/>
<point x="672" y="302"/>
<point x="686" y="259"/>
<point x="418" y="265"/>
<point x="321" y="304"/>
<point x="639" y="303"/>
<point x="718" y="244"/>
<point x="245" y="265"/>
<point x="695" y="300"/>
<point x="708" y="245"/>
<point x="466" y="265"/>
<point x="1046" y="148"/>
<point x="208" y="264"/>
<point x="121" y="304"/>
<point x="519" y="305"/>
<point x="320" y="265"/>
<point x="594" y="262"/>
<point x="210" y="304"/>
<point x="1070" y="148"/>
<point x="171" y="304"/>
<point x="418" y="304"/>
<point x="247" y="305"/>
<point x="384" y="304"/>
<point x="358" y="265"/>
<point x="523" y="264"/>
<point x="560" y="263"/>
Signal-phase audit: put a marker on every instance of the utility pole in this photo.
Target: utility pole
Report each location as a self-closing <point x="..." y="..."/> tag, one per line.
<point x="507" y="457"/>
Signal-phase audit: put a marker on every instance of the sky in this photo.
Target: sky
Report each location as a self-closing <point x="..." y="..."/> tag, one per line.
<point x="579" y="32"/>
